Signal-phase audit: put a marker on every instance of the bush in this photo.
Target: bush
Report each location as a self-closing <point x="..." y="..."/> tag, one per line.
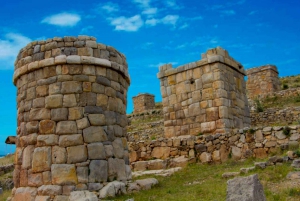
<point x="259" y="107"/>
<point x="285" y="86"/>
<point x="251" y="131"/>
<point x="286" y="130"/>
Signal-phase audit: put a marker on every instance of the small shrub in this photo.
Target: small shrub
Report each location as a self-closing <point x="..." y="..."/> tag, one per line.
<point x="297" y="152"/>
<point x="199" y="134"/>
<point x="297" y="99"/>
<point x="285" y="86"/>
<point x="259" y="107"/>
<point x="251" y="131"/>
<point x="153" y="137"/>
<point x="294" y="192"/>
<point x="286" y="130"/>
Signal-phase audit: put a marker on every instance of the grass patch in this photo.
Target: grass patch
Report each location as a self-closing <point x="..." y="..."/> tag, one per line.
<point x="7" y="160"/>
<point x="209" y="184"/>
<point x="5" y="195"/>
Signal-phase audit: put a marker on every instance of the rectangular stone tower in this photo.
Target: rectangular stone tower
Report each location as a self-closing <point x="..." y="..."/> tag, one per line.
<point x="143" y="102"/>
<point x="206" y="96"/>
<point x="262" y="80"/>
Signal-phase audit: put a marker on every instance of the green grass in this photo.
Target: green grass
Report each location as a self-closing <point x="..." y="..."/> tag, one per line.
<point x="5" y="195"/>
<point x="211" y="186"/>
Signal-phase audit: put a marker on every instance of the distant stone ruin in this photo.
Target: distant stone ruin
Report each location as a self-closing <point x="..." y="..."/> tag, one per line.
<point x="71" y="118"/>
<point x="262" y="80"/>
<point x="143" y="102"/>
<point x="206" y="96"/>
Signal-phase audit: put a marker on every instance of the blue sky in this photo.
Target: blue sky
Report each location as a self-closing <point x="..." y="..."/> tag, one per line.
<point x="151" y="33"/>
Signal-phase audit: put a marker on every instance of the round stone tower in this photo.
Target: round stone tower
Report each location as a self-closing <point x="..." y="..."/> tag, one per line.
<point x="72" y="120"/>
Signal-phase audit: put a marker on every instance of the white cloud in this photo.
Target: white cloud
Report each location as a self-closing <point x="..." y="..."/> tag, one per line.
<point x="184" y="26"/>
<point x="172" y="4"/>
<point x="152" y="22"/>
<point x="143" y="3"/>
<point x="86" y="30"/>
<point x="161" y="63"/>
<point x="228" y="12"/>
<point x="150" y="11"/>
<point x="110" y="7"/>
<point x="127" y="24"/>
<point x="10" y="45"/>
<point x="170" y="19"/>
<point x="252" y="12"/>
<point x="62" y="19"/>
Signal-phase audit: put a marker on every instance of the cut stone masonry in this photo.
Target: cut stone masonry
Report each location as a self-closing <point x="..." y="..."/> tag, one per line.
<point x="72" y="120"/>
<point x="143" y="102"/>
<point x="206" y="96"/>
<point x="262" y="80"/>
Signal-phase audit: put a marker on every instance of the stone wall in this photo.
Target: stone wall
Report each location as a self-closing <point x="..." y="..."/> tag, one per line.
<point x="143" y="102"/>
<point x="206" y="96"/>
<point x="257" y="142"/>
<point x="262" y="80"/>
<point x="71" y="117"/>
<point x="273" y="116"/>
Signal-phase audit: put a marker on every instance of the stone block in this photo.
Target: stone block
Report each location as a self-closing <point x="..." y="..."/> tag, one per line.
<point x="41" y="160"/>
<point x="66" y="127"/>
<point x="25" y="194"/>
<point x="35" y="180"/>
<point x="94" y="134"/>
<point x="97" y="119"/>
<point x="82" y="174"/>
<point x="50" y="190"/>
<point x="27" y="157"/>
<point x="59" y="155"/>
<point x="70" y="87"/>
<point x="70" y="140"/>
<point x="205" y="157"/>
<point x="47" y="127"/>
<point x="96" y="151"/>
<point x="118" y="148"/>
<point x="245" y="188"/>
<point x="32" y="127"/>
<point x="47" y="140"/>
<point x="54" y="101"/>
<point x="75" y="113"/>
<point x="82" y="123"/>
<point x="63" y="174"/>
<point x="98" y="171"/>
<point x="161" y="152"/>
<point x="59" y="114"/>
<point x="37" y="114"/>
<point x="76" y="154"/>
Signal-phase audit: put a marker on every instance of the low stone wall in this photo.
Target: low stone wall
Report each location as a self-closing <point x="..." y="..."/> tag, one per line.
<point x="282" y="93"/>
<point x="275" y="116"/>
<point x="6" y="168"/>
<point x="239" y="144"/>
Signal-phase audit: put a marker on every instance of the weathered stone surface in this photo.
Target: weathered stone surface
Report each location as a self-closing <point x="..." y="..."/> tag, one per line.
<point x="59" y="155"/>
<point x="180" y="161"/>
<point x="47" y="140"/>
<point x="146" y="184"/>
<point x="82" y="123"/>
<point x="71" y="87"/>
<point x="42" y="198"/>
<point x="69" y="100"/>
<point x="35" y="180"/>
<point x="94" y="134"/>
<point x="47" y="127"/>
<point x="63" y="174"/>
<point x="59" y="114"/>
<point x="116" y="169"/>
<point x="261" y="165"/>
<point x="118" y="148"/>
<point x="296" y="163"/>
<point x="95" y="186"/>
<point x="230" y="174"/>
<point x="37" y="114"/>
<point x="41" y="159"/>
<point x="70" y="140"/>
<point x="54" y="101"/>
<point x="112" y="189"/>
<point x="159" y="164"/>
<point x="96" y="151"/>
<point x="25" y="194"/>
<point x="82" y="195"/>
<point x="205" y="157"/>
<point x="245" y="188"/>
<point x="66" y="127"/>
<point x="27" y="157"/>
<point x="61" y="198"/>
<point x="161" y="152"/>
<point x="293" y="175"/>
<point x="200" y="148"/>
<point x="140" y="165"/>
<point x="76" y="154"/>
<point x="97" y="119"/>
<point x="82" y="174"/>
<point x="236" y="153"/>
<point x="51" y="190"/>
<point x="98" y="171"/>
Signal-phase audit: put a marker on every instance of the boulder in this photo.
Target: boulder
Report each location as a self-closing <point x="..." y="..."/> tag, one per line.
<point x="245" y="188"/>
<point x="112" y="189"/>
<point x="296" y="163"/>
<point x="146" y="184"/>
<point x="82" y="195"/>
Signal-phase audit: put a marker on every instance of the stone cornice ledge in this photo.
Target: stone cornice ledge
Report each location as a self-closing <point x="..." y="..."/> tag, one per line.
<point x="71" y="59"/>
